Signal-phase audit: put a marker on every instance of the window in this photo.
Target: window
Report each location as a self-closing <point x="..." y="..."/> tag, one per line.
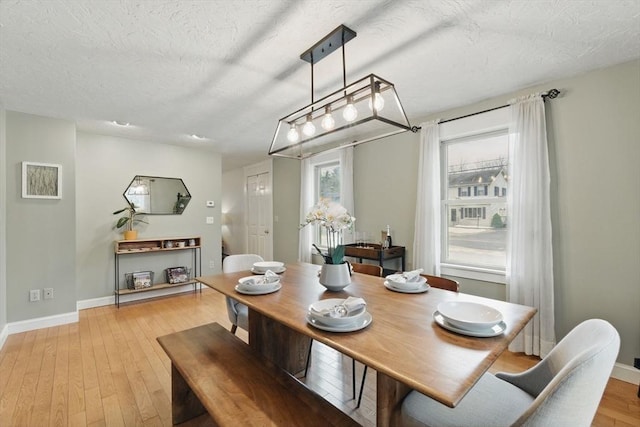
<point x="474" y="235"/>
<point x="327" y="186"/>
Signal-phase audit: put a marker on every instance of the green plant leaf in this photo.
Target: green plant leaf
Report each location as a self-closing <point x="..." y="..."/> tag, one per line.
<point x="338" y="255"/>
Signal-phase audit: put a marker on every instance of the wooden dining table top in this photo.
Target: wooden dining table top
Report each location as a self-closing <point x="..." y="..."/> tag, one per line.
<point x="403" y="341"/>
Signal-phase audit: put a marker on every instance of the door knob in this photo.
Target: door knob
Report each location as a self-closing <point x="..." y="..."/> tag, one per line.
<point x="266" y="231"/>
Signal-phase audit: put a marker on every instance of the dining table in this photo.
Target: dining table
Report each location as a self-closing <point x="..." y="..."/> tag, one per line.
<point x="402" y="341"/>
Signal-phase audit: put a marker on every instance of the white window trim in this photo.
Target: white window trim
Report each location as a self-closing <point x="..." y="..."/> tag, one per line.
<point x="470" y="127"/>
<point x="315" y="162"/>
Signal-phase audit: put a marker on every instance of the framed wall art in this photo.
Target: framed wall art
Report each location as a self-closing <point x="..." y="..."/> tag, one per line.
<point x="41" y="180"/>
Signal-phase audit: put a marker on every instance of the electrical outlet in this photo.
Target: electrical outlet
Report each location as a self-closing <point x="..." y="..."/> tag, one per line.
<point x="212" y="264"/>
<point x="34" y="295"/>
<point x="48" y="293"/>
<point x="209" y="220"/>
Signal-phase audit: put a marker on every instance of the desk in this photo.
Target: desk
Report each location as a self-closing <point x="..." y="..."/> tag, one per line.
<point x="375" y="252"/>
<point x="403" y="344"/>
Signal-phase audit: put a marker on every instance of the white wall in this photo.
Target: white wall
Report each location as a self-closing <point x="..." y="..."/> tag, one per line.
<point x="105" y="167"/>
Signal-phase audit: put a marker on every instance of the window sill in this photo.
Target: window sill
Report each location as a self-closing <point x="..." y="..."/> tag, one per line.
<point x="475" y="273"/>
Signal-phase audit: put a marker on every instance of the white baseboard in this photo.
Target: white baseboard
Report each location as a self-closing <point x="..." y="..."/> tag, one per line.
<point x="3" y="335"/>
<point x="110" y="300"/>
<point x="626" y="373"/>
<point x="42" y="322"/>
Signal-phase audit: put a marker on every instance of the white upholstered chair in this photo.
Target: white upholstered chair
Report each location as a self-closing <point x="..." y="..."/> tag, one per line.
<point x="564" y="389"/>
<point x="238" y="313"/>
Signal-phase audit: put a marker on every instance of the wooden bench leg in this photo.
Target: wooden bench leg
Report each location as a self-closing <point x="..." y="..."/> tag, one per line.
<point x="185" y="405"/>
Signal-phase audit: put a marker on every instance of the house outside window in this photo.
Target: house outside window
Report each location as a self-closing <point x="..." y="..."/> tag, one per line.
<point x="475" y="181"/>
<point x="326" y="186"/>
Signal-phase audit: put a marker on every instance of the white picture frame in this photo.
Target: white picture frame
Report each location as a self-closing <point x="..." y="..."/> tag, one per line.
<point x="41" y="180"/>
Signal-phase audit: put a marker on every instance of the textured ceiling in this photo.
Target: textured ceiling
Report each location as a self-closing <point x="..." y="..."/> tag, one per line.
<point x="229" y="70"/>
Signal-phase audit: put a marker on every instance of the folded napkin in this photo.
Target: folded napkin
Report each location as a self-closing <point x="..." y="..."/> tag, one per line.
<point x="269" y="278"/>
<point x="344" y="309"/>
<point x="412" y="276"/>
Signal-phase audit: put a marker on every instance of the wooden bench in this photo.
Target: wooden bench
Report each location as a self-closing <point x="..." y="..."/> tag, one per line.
<point x="214" y="371"/>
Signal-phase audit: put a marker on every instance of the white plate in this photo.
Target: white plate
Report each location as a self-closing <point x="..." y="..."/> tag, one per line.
<point x="267" y="290"/>
<point x="423" y="288"/>
<point x="275" y="270"/>
<point x="360" y="323"/>
<point x="469" y="315"/>
<point x="316" y="309"/>
<point x="400" y="282"/>
<point x="267" y="265"/>
<point x="491" y="332"/>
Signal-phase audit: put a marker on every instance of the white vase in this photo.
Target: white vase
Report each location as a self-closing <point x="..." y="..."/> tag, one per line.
<point x="335" y="277"/>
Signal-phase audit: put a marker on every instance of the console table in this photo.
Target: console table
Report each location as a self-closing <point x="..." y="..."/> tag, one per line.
<point x="375" y="252"/>
<point x="164" y="245"/>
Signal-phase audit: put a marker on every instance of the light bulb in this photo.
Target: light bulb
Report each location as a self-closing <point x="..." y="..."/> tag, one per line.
<point x="378" y="102"/>
<point x="350" y="112"/>
<point x="309" y="128"/>
<point x="293" y="134"/>
<point x="327" y="120"/>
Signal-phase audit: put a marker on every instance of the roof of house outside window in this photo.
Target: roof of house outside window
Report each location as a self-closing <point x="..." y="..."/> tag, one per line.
<point x="484" y="176"/>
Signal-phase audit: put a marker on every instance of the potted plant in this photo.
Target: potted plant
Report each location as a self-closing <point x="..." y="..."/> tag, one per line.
<point x="334" y="218"/>
<point x="127" y="220"/>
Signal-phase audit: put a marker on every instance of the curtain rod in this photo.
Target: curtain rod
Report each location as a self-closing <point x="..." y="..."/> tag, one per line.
<point x="550" y="94"/>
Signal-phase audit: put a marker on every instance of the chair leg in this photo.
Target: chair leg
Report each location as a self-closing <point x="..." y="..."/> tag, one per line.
<point x="306" y="367"/>
<point x="353" y="378"/>
<point x="233" y="329"/>
<point x="364" y="377"/>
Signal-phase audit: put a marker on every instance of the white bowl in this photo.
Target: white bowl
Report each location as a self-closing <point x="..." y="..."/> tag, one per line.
<point x="263" y="266"/>
<point x="469" y="315"/>
<point x="398" y="281"/>
<point x="254" y="283"/>
<point x="315" y="312"/>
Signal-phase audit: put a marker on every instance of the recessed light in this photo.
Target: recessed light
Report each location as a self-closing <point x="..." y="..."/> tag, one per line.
<point x="194" y="136"/>
<point x="123" y="124"/>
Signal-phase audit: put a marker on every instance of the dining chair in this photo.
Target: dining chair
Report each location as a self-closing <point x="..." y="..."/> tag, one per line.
<point x="238" y="313"/>
<point x="563" y="389"/>
<point x="442" y="283"/>
<point x="436" y="282"/>
<point x="371" y="270"/>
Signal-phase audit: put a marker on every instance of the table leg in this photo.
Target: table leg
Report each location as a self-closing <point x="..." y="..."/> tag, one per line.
<point x="389" y="395"/>
<point x="281" y="345"/>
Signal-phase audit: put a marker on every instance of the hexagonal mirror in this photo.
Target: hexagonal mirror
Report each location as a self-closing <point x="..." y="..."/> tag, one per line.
<point x="156" y="195"/>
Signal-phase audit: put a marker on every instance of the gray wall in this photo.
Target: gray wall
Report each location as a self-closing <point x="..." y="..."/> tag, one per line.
<point x="41" y="233"/>
<point x="67" y="244"/>
<point x="286" y="216"/>
<point x="105" y="166"/>
<point x="594" y="149"/>
<point x="3" y="220"/>
<point x="234" y="233"/>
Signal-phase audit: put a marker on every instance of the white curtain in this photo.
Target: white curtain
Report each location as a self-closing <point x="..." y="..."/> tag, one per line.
<point x="306" y="202"/>
<point x="529" y="260"/>
<point x="426" y="240"/>
<point x="346" y="187"/>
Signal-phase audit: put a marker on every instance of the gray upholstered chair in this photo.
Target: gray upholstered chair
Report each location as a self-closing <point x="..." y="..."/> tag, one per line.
<point x="238" y="313"/>
<point x="564" y="389"/>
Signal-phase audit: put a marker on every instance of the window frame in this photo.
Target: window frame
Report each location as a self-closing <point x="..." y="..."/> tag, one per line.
<point x="316" y="163"/>
<point x="468" y="128"/>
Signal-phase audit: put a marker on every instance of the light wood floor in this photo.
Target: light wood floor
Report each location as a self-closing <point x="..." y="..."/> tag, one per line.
<point x="108" y="370"/>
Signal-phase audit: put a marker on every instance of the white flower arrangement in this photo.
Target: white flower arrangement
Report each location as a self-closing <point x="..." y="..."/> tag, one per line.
<point x="334" y="218"/>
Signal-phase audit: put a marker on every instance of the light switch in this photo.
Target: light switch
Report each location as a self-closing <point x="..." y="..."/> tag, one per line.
<point x="209" y="220"/>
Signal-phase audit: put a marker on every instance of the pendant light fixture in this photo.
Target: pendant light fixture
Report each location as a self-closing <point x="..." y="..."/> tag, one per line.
<point x="363" y="111"/>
